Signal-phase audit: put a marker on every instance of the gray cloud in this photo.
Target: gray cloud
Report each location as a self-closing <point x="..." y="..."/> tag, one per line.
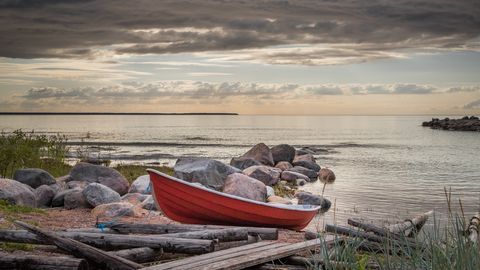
<point x="472" y="105"/>
<point x="325" y="90"/>
<point x="413" y="89"/>
<point x="356" y="31"/>
<point x="464" y="89"/>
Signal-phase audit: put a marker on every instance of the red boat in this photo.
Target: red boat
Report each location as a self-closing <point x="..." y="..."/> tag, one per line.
<point x="189" y="203"/>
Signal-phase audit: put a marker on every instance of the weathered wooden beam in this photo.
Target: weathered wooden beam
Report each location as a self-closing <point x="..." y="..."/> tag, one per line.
<point x="384" y="232"/>
<point x="124" y="228"/>
<point x="118" y="241"/>
<point x="232" y="244"/>
<point x="139" y="255"/>
<point x="35" y="262"/>
<point x="270" y="266"/>
<point x="78" y="249"/>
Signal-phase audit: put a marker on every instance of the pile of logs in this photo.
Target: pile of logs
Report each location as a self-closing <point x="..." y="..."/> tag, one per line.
<point x="125" y="246"/>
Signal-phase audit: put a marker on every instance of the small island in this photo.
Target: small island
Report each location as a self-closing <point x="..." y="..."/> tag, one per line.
<point x="466" y="123"/>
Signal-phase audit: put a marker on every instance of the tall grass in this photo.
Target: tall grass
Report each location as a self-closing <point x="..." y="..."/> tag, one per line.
<point x="21" y="149"/>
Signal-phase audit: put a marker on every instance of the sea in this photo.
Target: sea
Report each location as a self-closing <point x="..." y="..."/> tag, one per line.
<point x="388" y="168"/>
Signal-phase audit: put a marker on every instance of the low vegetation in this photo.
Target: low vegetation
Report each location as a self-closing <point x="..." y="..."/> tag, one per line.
<point x="21" y="149"/>
<point x="131" y="172"/>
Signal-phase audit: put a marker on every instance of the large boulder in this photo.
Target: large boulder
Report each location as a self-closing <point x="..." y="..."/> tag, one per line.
<point x="44" y="195"/>
<point x="134" y="198"/>
<point x="75" y="199"/>
<point x="33" y="177"/>
<point x="118" y="209"/>
<point x="326" y="175"/>
<point x="16" y="193"/>
<point x="268" y="175"/>
<point x="141" y="185"/>
<point x="243" y="186"/>
<point x="290" y="176"/>
<point x="208" y="172"/>
<point x="283" y="152"/>
<point x="307" y="161"/>
<point x="310" y="199"/>
<point x="59" y="198"/>
<point x="278" y="200"/>
<point x="99" y="174"/>
<point x="283" y="165"/>
<point x="97" y="194"/>
<point x="312" y="175"/>
<point x="260" y="153"/>
<point x="243" y="162"/>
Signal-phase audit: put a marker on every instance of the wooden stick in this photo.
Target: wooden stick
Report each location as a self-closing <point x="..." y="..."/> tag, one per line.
<point x="34" y="262"/>
<point x="124" y="228"/>
<point x="99" y="257"/>
<point x="118" y="241"/>
<point x="379" y="231"/>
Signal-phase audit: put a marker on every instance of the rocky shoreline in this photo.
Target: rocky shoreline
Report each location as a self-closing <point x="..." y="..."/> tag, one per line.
<point x="265" y="174"/>
<point x="466" y="123"/>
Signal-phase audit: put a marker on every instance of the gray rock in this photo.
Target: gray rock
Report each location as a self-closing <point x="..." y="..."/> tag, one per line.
<point x="326" y="175"/>
<point x="59" y="198"/>
<point x="16" y="193"/>
<point x="99" y="174"/>
<point x="243" y="162"/>
<point x="97" y="194"/>
<point x="268" y="175"/>
<point x="75" y="199"/>
<point x="149" y="204"/>
<point x="283" y="152"/>
<point x="307" y="161"/>
<point x="260" y="153"/>
<point x="33" y="177"/>
<point x="44" y="195"/>
<point x="305" y="171"/>
<point x="243" y="186"/>
<point x="310" y="199"/>
<point x="134" y="198"/>
<point x="117" y="209"/>
<point x="56" y="187"/>
<point x="293" y="176"/>
<point x="304" y="151"/>
<point x="208" y="172"/>
<point x="141" y="185"/>
<point x="270" y="191"/>
<point x="77" y="184"/>
<point x="283" y="165"/>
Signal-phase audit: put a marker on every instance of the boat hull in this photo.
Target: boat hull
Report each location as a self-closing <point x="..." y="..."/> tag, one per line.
<point x="188" y="203"/>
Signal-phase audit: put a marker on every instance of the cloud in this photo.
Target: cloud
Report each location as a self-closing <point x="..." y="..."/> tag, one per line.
<point x="464" y="89"/>
<point x="413" y="89"/>
<point x="307" y="32"/>
<point x="472" y="105"/>
<point x="325" y="90"/>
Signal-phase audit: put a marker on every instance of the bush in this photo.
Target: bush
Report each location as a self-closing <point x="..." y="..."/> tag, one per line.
<point x="21" y="149"/>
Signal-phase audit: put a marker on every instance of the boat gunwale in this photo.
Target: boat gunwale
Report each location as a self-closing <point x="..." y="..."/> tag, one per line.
<point x="311" y="208"/>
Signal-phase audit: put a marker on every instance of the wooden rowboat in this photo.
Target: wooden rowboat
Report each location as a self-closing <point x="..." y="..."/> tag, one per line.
<point x="185" y="202"/>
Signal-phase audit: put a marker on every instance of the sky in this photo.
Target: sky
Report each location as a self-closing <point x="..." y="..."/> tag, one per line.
<point x="334" y="57"/>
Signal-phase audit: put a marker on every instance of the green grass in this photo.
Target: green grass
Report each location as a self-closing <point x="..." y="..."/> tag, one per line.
<point x="131" y="172"/>
<point x="9" y="247"/>
<point x="8" y="209"/>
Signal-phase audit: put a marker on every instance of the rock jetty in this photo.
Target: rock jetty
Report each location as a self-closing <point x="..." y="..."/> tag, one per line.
<point x="466" y="123"/>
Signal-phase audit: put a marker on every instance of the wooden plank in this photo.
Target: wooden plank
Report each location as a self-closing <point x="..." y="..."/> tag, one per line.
<point x="118" y="241"/>
<point x="78" y="249"/>
<point x="190" y="260"/>
<point x="124" y="228"/>
<point x="35" y="262"/>
<point x="268" y="255"/>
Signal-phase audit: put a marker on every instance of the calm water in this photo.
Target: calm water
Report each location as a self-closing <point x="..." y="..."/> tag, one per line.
<point x="387" y="167"/>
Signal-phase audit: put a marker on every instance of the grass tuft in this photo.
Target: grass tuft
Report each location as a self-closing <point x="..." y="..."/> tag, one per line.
<point x="131" y="172"/>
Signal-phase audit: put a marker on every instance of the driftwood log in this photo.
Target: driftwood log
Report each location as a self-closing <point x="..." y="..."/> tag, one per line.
<point x="139" y="255"/>
<point x="125" y="228"/>
<point x="34" y="262"/>
<point x="78" y="249"/>
<point x="410" y="227"/>
<point x="227" y="245"/>
<point x="117" y="241"/>
<point x="473" y="227"/>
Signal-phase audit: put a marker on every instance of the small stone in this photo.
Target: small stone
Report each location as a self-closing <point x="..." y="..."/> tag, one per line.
<point x="270" y="191"/>
<point x="118" y="209"/>
<point x="283" y="165"/>
<point x="307" y="161"/>
<point x="149" y="204"/>
<point x="77" y="184"/>
<point x="312" y="175"/>
<point x="290" y="176"/>
<point x="326" y="175"/>
<point x="278" y="199"/>
<point x="307" y="198"/>
<point x="300" y="182"/>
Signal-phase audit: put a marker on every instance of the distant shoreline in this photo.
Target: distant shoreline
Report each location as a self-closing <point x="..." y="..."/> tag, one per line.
<point x="107" y="113"/>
